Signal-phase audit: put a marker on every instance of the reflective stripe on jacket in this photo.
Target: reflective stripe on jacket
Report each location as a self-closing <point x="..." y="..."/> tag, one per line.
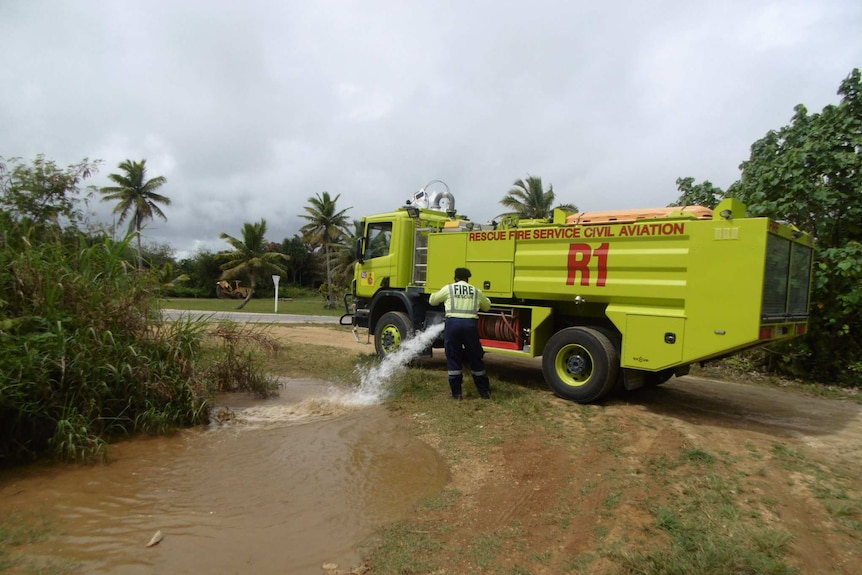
<point x="461" y="299"/>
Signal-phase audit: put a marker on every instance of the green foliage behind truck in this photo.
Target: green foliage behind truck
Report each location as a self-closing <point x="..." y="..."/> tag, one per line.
<point x="607" y="299"/>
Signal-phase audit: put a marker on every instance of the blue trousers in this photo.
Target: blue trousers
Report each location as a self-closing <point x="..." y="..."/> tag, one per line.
<point x="461" y="342"/>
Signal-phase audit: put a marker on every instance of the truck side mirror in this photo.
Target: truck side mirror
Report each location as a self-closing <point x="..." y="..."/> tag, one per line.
<point x="360" y="250"/>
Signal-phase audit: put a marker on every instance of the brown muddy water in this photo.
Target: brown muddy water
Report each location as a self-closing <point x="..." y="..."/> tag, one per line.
<point x="279" y="486"/>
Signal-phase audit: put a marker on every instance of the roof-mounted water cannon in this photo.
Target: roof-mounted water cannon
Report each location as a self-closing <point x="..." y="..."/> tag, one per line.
<point x="442" y="200"/>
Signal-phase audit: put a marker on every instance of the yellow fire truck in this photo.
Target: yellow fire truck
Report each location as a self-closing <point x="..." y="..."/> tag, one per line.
<point x="606" y="298"/>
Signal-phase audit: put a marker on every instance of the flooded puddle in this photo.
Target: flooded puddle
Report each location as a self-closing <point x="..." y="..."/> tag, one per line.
<point x="280" y="486"/>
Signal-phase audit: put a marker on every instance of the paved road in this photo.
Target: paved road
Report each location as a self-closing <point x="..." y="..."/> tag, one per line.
<point x="239" y="316"/>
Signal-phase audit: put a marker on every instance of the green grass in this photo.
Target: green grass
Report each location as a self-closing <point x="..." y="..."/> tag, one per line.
<point x="711" y="528"/>
<point x="299" y="306"/>
<point x="829" y="485"/>
<point x="320" y="362"/>
<point x="484" y="548"/>
<point x="20" y="528"/>
<point x="402" y="549"/>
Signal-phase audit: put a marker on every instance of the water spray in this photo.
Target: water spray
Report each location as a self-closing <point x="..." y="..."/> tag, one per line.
<point x="373" y="382"/>
<point x="371" y="389"/>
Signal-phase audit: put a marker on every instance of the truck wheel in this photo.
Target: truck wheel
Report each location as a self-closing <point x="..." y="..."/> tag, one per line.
<point x="580" y="364"/>
<point x="617" y="341"/>
<point x="392" y="329"/>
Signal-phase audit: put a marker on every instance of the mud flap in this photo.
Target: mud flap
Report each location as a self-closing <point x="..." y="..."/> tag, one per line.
<point x="633" y="378"/>
<point x="636" y="378"/>
<point x="681" y="371"/>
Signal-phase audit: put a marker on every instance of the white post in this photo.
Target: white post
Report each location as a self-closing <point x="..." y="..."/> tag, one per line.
<point x="275" y="279"/>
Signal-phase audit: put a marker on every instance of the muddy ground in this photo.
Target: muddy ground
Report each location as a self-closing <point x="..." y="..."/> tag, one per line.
<point x="749" y="425"/>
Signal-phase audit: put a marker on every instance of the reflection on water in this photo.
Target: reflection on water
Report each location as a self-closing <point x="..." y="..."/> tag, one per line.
<point x="282" y="486"/>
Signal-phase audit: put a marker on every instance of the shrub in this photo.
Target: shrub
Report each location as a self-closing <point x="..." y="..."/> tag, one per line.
<point x="83" y="354"/>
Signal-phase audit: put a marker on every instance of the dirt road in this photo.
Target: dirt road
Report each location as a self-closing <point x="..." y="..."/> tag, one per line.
<point x="796" y="461"/>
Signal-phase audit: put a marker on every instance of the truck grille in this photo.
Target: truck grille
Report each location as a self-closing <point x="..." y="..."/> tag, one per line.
<point x="787" y="280"/>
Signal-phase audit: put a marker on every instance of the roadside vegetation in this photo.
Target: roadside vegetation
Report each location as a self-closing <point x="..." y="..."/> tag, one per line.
<point x="84" y="355"/>
<point x="809" y="173"/>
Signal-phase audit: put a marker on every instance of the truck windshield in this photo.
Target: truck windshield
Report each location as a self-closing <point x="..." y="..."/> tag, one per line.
<point x="379" y="238"/>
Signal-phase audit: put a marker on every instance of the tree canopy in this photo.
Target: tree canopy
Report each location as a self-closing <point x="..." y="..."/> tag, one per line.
<point x="692" y="194"/>
<point x="327" y="225"/>
<point x="251" y="257"/>
<point x="43" y="193"/>
<point x="809" y="173"/>
<point x="528" y="199"/>
<point x="136" y="197"/>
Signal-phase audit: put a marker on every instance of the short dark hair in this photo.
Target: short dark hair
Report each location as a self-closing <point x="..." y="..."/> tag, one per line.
<point x="462" y="274"/>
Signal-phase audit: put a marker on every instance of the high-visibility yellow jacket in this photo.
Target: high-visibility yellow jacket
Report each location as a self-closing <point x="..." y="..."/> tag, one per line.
<point x="461" y="299"/>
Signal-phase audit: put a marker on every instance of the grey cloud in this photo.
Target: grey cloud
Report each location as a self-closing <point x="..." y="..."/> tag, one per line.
<point x="250" y="108"/>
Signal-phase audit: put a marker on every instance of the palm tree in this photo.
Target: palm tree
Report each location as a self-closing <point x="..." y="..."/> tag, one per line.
<point x="345" y="255"/>
<point x="166" y="277"/>
<point x="326" y="226"/>
<point x="136" y="196"/>
<point x="529" y="200"/>
<point x="251" y="257"/>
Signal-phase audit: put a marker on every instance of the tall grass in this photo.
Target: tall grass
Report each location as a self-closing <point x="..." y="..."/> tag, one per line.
<point x="237" y="361"/>
<point x="83" y="354"/>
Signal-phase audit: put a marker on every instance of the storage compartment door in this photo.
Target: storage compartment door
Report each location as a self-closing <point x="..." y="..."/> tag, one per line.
<point x="652" y="342"/>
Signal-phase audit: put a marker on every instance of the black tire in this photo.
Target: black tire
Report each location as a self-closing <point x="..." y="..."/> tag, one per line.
<point x="392" y="328"/>
<point x="613" y="335"/>
<point x="220" y="293"/>
<point x="616" y="340"/>
<point x="580" y="364"/>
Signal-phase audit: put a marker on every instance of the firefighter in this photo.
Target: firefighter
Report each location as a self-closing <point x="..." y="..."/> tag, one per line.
<point x="462" y="303"/>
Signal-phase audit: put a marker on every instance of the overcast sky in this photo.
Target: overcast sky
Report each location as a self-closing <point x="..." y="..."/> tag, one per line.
<point x="249" y="108"/>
